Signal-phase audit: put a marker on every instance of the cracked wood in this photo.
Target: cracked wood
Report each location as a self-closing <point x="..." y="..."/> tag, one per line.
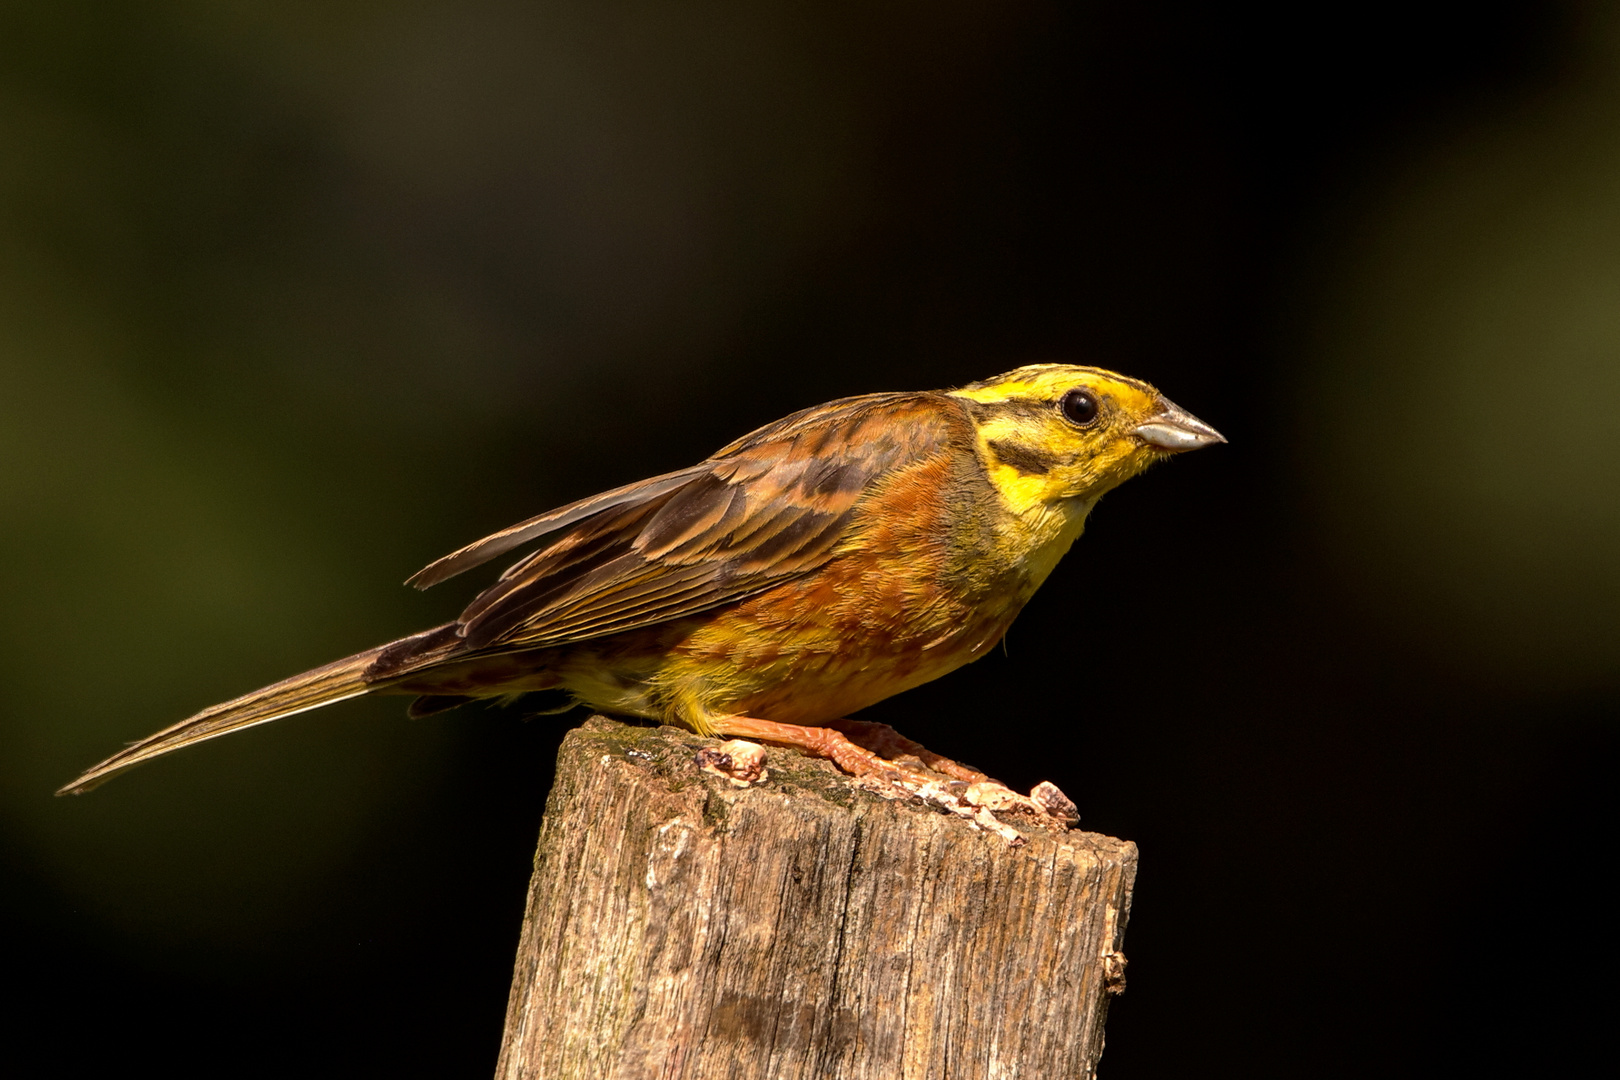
<point x="682" y="928"/>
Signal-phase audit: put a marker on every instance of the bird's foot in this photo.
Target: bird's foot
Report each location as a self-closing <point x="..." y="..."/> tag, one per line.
<point x="1046" y="800"/>
<point x="855" y="745"/>
<point x="888" y="743"/>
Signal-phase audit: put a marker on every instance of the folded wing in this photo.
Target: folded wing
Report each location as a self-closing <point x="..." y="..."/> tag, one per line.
<point x="770" y="507"/>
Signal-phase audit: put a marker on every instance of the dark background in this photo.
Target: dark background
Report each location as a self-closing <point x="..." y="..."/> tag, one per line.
<point x="297" y="297"/>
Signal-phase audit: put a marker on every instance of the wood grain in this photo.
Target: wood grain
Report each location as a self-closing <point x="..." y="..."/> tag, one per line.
<point x="679" y="926"/>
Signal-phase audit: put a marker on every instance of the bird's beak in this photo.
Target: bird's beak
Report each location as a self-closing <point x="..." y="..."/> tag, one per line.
<point x="1175" y="429"/>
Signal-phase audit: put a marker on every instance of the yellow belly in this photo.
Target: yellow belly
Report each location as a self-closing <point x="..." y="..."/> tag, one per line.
<point x="803" y="653"/>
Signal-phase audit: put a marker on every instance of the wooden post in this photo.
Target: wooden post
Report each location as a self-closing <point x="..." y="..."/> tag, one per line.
<point x="683" y="927"/>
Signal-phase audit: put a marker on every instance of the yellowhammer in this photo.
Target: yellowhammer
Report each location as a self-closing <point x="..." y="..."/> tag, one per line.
<point x="816" y="566"/>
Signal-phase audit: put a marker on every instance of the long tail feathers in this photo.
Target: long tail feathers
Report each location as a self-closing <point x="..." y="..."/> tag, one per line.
<point x="337" y="681"/>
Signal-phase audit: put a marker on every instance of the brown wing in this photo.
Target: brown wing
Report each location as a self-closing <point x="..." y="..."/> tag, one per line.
<point x="476" y="554"/>
<point x="769" y="507"/>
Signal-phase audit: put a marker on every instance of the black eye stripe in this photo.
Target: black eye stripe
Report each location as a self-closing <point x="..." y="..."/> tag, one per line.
<point x="1029" y="460"/>
<point x="1079" y="407"/>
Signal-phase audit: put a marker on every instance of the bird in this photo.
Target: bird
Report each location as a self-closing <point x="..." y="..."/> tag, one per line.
<point x="818" y="565"/>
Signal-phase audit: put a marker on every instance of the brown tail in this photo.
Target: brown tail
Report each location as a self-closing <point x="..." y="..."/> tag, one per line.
<point x="336" y="681"/>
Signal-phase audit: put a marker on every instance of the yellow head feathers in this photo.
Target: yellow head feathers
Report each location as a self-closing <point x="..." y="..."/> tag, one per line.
<point x="1051" y="432"/>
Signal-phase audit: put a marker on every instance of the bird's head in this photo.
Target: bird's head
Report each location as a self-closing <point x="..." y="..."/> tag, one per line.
<point x="1051" y="432"/>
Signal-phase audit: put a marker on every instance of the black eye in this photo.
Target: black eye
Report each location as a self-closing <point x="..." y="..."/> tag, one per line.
<point x="1079" y="407"/>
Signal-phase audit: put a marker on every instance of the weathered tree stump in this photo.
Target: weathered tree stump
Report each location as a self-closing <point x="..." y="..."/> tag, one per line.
<point x="680" y="926"/>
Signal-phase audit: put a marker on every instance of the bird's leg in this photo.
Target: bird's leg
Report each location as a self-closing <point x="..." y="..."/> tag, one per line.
<point x="886" y="742"/>
<point x="969" y="793"/>
<point x="821" y="742"/>
<point x="1046" y="798"/>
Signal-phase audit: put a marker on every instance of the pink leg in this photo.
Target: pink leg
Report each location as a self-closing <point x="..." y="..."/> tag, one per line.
<point x="884" y="741"/>
<point x="976" y="798"/>
<point x="821" y="742"/>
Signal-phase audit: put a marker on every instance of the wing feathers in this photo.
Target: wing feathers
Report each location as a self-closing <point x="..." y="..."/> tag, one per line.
<point x="768" y="508"/>
<point x="476" y="554"/>
<point x="690" y="516"/>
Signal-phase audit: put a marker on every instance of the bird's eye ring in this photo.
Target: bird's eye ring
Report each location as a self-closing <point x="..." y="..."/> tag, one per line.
<point x="1079" y="407"/>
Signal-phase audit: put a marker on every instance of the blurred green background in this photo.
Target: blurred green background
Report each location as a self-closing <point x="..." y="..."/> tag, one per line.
<point x="295" y="298"/>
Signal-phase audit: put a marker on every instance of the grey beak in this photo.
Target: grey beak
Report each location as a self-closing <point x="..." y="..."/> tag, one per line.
<point x="1175" y="429"/>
